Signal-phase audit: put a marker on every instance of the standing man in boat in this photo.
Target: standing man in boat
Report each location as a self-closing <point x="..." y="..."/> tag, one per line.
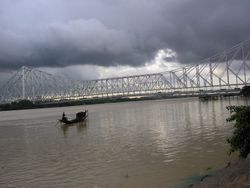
<point x="85" y="113"/>
<point x="64" y="117"/>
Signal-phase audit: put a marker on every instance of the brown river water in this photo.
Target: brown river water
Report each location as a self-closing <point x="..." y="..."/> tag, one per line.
<point x="147" y="144"/>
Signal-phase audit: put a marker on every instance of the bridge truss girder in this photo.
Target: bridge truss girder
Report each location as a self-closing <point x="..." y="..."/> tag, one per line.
<point x="227" y="70"/>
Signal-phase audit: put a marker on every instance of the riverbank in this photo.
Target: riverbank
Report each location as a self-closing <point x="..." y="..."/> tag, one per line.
<point x="26" y="104"/>
<point x="235" y="175"/>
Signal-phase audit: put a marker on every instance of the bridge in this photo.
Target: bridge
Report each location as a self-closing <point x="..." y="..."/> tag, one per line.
<point x="225" y="72"/>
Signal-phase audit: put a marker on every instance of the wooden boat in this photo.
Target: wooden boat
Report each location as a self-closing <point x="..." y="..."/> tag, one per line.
<point x="80" y="117"/>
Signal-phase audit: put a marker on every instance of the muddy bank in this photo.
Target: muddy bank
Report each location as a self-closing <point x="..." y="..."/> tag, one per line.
<point x="235" y="175"/>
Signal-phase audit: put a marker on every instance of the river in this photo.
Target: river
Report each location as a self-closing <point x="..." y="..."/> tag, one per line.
<point x="146" y="144"/>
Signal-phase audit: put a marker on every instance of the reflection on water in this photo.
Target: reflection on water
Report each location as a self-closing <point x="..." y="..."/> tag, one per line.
<point x="79" y="126"/>
<point x="129" y="145"/>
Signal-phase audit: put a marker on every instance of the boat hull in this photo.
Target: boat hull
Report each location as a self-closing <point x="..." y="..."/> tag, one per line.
<point x="79" y="119"/>
<point x="73" y="121"/>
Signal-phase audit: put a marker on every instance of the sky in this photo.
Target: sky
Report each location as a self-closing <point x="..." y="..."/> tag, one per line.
<point x="91" y="39"/>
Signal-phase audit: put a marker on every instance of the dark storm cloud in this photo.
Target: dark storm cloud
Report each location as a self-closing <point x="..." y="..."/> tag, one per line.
<point x="203" y="28"/>
<point x="117" y="32"/>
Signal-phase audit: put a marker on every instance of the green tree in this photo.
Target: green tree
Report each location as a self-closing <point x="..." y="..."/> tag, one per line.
<point x="240" y="140"/>
<point x="22" y="104"/>
<point x="245" y="91"/>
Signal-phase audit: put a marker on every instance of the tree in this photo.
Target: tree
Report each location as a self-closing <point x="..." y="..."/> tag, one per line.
<point x="240" y="140"/>
<point x="245" y="91"/>
<point x="22" y="104"/>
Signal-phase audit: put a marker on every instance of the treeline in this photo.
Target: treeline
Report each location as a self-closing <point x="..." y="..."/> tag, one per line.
<point x="23" y="104"/>
<point x="26" y="104"/>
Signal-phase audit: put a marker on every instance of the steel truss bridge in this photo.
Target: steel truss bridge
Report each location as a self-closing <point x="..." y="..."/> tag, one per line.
<point x="227" y="71"/>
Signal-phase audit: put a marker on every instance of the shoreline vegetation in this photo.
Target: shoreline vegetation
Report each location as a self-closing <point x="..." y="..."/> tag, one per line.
<point x="238" y="174"/>
<point x="27" y="104"/>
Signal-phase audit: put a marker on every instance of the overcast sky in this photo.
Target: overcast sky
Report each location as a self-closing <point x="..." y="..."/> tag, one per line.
<point x="90" y="39"/>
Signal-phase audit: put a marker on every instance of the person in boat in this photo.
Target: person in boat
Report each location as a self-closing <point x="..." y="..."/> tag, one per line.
<point x="64" y="118"/>
<point x="85" y="113"/>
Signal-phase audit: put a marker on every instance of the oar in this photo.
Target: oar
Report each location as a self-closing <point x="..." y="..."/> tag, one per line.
<point x="57" y="123"/>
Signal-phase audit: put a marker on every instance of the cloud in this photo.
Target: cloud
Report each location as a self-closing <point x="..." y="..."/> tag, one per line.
<point x="63" y="33"/>
<point x="84" y="72"/>
<point x="90" y="42"/>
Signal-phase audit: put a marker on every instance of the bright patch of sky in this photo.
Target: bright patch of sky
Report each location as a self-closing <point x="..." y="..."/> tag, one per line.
<point x="160" y="63"/>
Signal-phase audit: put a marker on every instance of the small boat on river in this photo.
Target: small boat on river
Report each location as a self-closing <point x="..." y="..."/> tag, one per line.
<point x="80" y="117"/>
